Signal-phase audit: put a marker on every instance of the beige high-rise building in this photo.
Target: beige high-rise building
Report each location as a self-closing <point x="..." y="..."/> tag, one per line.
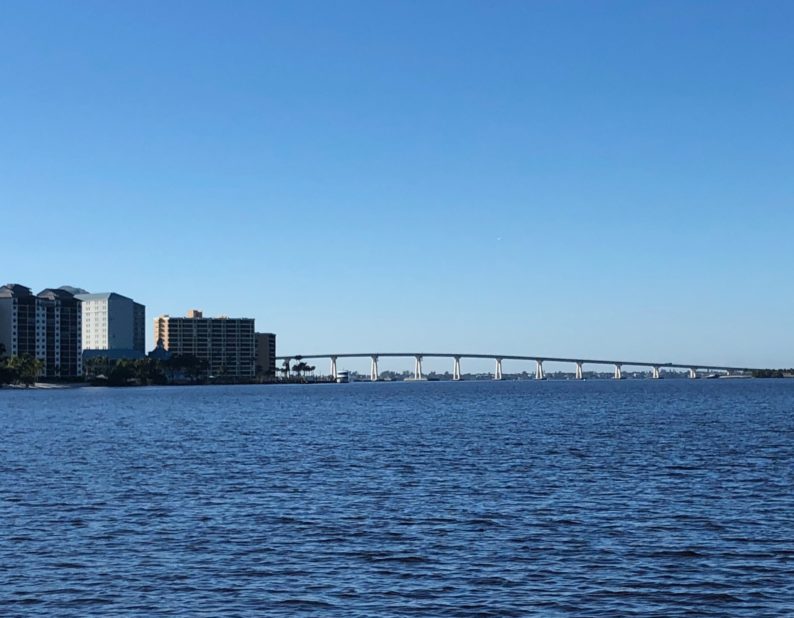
<point x="228" y="345"/>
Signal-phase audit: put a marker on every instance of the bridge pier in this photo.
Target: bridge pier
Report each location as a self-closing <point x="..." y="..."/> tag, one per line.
<point x="456" y="369"/>
<point x="649" y="368"/>
<point x="418" y="368"/>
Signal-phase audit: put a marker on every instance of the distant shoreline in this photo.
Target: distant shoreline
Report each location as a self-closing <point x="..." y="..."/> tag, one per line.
<point x="45" y="386"/>
<point x="76" y="385"/>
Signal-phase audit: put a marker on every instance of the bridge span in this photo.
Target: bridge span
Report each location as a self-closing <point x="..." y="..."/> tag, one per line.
<point x="540" y="374"/>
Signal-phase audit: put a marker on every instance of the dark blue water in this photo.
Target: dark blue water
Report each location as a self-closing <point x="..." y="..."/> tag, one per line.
<point x="670" y="498"/>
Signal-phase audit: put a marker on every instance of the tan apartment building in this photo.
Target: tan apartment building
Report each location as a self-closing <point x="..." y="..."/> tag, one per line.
<point x="228" y="345"/>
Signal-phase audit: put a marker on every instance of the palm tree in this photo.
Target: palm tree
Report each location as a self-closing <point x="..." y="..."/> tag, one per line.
<point x="301" y="368"/>
<point x="26" y="367"/>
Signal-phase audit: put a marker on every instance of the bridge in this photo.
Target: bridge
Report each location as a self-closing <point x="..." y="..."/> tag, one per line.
<point x="540" y="374"/>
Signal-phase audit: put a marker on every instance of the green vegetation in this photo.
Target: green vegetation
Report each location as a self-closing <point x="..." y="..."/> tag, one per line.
<point x="146" y="371"/>
<point x="104" y="371"/>
<point x="773" y="373"/>
<point x="302" y="368"/>
<point x="123" y="372"/>
<point x="18" y="369"/>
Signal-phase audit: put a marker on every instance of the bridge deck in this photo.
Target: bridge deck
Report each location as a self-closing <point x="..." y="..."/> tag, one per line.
<point x="504" y="357"/>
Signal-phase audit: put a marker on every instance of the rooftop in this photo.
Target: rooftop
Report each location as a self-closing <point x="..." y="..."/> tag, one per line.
<point x="101" y="296"/>
<point x="52" y="294"/>
<point x="14" y="290"/>
<point x="73" y="290"/>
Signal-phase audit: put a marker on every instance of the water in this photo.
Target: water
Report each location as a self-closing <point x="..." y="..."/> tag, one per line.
<point x="670" y="498"/>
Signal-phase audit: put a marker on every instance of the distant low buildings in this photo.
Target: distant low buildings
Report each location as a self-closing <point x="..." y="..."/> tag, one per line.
<point x="226" y="345"/>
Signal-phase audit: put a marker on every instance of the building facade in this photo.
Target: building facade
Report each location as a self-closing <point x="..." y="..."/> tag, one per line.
<point x="19" y="319"/>
<point x="265" y="354"/>
<point x="227" y="345"/>
<point x="46" y="326"/>
<point x="112" y="322"/>
<point x="138" y="327"/>
<point x="62" y="316"/>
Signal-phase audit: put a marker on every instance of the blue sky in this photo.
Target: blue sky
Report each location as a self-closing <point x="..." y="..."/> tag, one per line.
<point x="562" y="178"/>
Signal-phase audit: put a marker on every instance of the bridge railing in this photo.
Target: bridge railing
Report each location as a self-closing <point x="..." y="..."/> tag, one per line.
<point x="656" y="368"/>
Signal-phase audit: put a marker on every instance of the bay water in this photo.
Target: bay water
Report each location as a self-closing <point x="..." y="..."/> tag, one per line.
<point x="556" y="498"/>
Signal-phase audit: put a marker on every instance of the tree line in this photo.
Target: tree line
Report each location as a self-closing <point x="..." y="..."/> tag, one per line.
<point x="773" y="373"/>
<point x="26" y="369"/>
<point x="146" y="371"/>
<point x="300" y="369"/>
<point x="18" y="369"/>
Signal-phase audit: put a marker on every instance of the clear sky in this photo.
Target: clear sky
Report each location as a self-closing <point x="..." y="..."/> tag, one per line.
<point x="604" y="179"/>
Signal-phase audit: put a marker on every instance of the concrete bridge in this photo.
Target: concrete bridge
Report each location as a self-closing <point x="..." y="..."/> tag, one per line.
<point x="578" y="363"/>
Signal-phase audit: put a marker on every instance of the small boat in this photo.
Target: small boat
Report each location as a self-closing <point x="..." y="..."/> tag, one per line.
<point x="342" y="377"/>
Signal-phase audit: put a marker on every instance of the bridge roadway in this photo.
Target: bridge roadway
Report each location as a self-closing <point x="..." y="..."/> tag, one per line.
<point x="498" y="358"/>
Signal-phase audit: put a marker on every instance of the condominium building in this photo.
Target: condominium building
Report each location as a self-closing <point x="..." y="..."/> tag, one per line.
<point x="19" y="319"/>
<point x="227" y="345"/>
<point x="112" y="322"/>
<point x="265" y="354"/>
<point x="62" y="333"/>
<point x="46" y="326"/>
<point x="138" y="327"/>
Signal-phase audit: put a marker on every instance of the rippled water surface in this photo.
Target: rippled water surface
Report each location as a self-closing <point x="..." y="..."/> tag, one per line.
<point x="646" y="498"/>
